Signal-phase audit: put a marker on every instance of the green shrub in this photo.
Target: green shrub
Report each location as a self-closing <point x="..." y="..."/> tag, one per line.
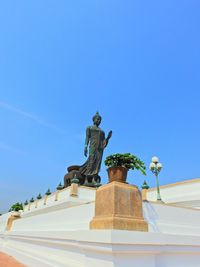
<point x="16" y="207"/>
<point x="126" y="160"/>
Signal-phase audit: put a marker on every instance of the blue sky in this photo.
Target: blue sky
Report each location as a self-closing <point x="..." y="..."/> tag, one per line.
<point x="136" y="62"/>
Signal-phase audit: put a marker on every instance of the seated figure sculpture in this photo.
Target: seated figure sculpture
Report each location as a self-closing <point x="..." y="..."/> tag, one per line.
<point x="88" y="173"/>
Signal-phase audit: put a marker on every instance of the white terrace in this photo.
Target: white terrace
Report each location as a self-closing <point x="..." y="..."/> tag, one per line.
<point x="54" y="231"/>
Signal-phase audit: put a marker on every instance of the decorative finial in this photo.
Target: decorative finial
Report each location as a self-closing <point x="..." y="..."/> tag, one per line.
<point x="59" y="187"/>
<point x="39" y="196"/>
<point x="26" y="203"/>
<point x="48" y="192"/>
<point x="32" y="200"/>
<point x="75" y="180"/>
<point x="145" y="185"/>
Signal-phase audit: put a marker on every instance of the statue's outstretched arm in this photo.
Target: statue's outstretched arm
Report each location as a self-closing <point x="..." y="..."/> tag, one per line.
<point x="107" y="138"/>
<point x="87" y="141"/>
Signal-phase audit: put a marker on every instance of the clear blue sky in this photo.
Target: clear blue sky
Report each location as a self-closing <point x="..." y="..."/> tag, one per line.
<point x="136" y="62"/>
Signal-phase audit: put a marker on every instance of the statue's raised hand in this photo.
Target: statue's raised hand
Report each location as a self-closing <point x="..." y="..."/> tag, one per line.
<point x="107" y="139"/>
<point x="109" y="135"/>
<point x="85" y="151"/>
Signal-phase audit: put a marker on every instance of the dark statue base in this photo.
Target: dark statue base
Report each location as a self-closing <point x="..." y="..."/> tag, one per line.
<point x="83" y="180"/>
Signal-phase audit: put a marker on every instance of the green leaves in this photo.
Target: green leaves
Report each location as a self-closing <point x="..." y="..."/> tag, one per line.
<point x="16" y="207"/>
<point x="126" y="160"/>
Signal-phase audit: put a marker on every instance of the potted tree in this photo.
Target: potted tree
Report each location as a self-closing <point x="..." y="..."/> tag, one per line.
<point x="119" y="164"/>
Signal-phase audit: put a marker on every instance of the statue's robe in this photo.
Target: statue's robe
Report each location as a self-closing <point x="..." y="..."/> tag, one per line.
<point x="97" y="143"/>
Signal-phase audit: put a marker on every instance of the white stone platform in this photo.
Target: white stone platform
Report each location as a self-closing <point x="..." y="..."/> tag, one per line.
<point x="184" y="193"/>
<point x="57" y="234"/>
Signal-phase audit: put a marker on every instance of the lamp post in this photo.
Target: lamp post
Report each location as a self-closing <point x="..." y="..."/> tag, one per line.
<point x="156" y="167"/>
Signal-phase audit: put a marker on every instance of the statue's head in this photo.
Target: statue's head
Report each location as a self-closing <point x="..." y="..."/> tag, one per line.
<point x="96" y="119"/>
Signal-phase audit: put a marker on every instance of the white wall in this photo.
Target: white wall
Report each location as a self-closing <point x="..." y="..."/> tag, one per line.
<point x="89" y="248"/>
<point x="57" y="234"/>
<point x="183" y="193"/>
<point x="3" y="221"/>
<point x="171" y="219"/>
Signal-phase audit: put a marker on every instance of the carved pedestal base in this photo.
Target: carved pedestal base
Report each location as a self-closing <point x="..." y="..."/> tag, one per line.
<point x="11" y="219"/>
<point x="118" y="206"/>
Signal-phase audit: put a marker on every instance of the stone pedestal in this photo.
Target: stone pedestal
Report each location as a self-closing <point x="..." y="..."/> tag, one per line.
<point x="144" y="194"/>
<point x="74" y="190"/>
<point x="14" y="216"/>
<point x="118" y="206"/>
